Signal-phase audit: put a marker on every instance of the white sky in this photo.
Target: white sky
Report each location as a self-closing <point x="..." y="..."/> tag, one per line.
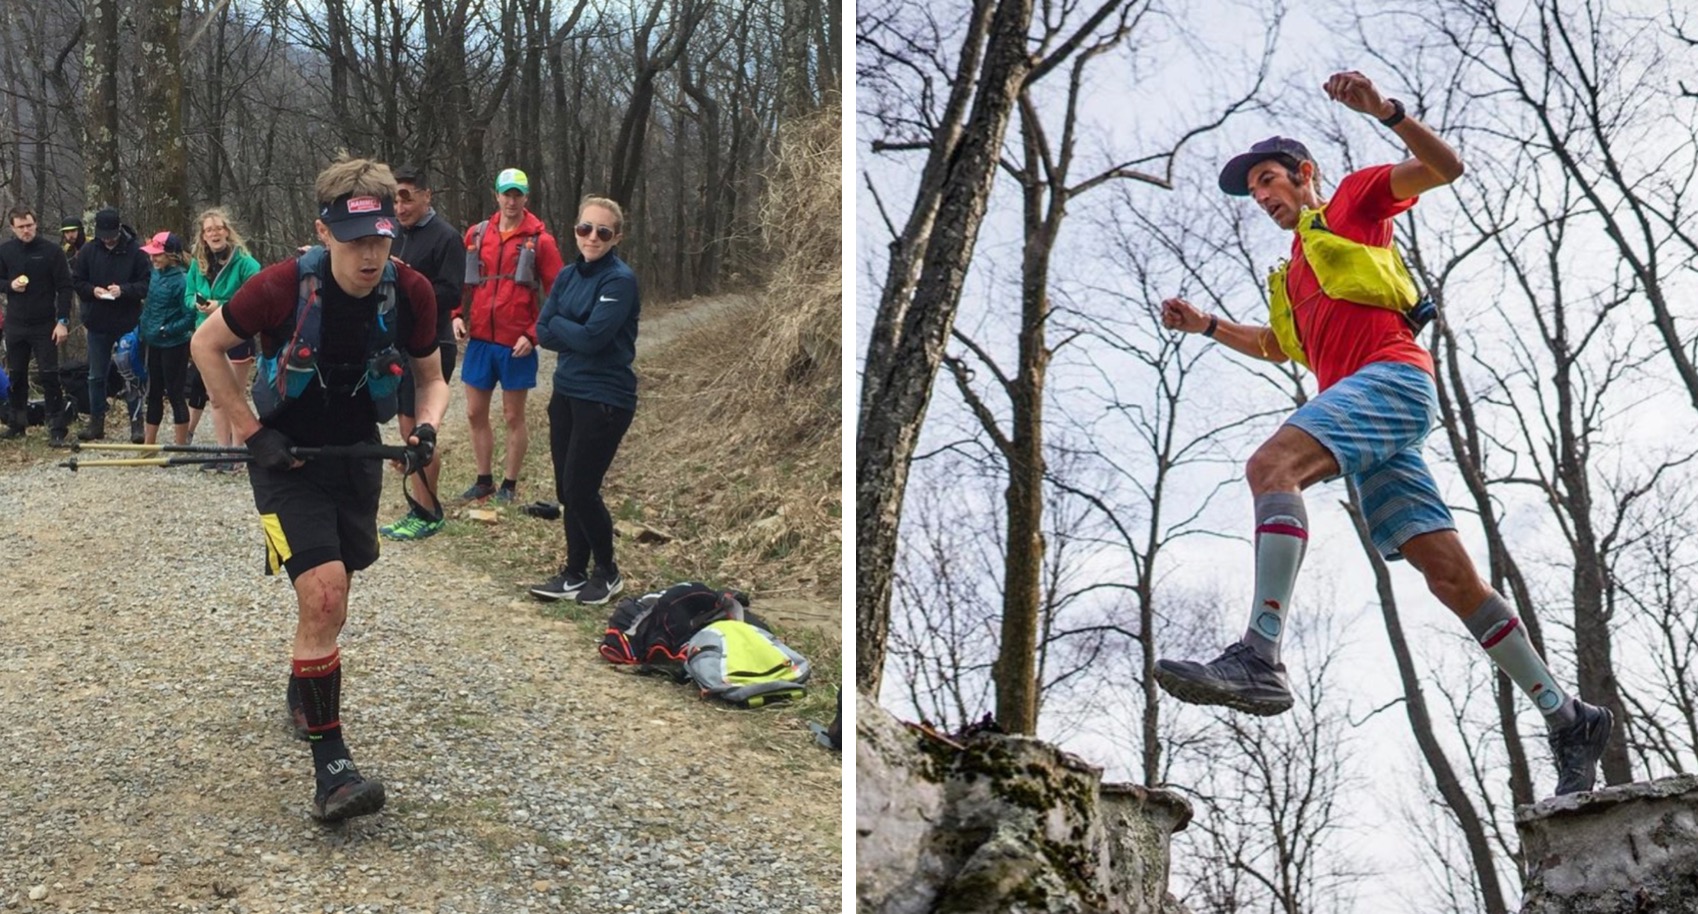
<point x="1132" y="112"/>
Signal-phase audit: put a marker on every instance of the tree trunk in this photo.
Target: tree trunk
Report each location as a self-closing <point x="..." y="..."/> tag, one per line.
<point x="103" y="186"/>
<point x="1421" y="724"/>
<point x="922" y="291"/>
<point x="164" y="200"/>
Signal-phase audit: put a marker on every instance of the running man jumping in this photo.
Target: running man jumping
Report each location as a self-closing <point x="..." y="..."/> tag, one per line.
<point x="1338" y="309"/>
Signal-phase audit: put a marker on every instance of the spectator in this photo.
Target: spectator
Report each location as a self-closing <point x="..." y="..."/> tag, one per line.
<point x="427" y="243"/>
<point x="167" y="322"/>
<point x="511" y="261"/>
<point x="37" y="281"/>
<point x="111" y="279"/>
<point x="219" y="264"/>
<point x="591" y="320"/>
<point x="71" y="237"/>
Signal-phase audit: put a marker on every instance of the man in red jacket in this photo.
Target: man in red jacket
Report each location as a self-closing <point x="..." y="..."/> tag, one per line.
<point x="511" y="261"/>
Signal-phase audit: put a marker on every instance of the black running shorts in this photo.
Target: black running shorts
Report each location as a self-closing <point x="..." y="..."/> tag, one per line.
<point x="322" y="511"/>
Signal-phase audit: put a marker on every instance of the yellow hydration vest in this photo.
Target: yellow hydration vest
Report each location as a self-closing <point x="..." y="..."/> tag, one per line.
<point x="1347" y="271"/>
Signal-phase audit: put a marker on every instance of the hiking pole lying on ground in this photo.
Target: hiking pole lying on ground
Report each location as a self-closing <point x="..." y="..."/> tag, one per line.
<point x="172" y="455"/>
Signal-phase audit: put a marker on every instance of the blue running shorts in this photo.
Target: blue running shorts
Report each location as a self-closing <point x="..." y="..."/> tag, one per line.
<point x="1374" y="423"/>
<point x="486" y="363"/>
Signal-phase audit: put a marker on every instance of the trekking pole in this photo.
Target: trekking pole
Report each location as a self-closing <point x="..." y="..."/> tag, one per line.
<point x="232" y="449"/>
<point x="212" y="453"/>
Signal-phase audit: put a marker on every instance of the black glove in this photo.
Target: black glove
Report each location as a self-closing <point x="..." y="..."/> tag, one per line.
<point x="270" y="449"/>
<point x="419" y="455"/>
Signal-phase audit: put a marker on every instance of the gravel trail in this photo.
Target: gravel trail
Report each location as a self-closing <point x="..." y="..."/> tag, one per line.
<point x="147" y="768"/>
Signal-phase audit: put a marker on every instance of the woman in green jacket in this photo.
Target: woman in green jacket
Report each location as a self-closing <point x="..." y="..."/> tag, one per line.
<point x="219" y="265"/>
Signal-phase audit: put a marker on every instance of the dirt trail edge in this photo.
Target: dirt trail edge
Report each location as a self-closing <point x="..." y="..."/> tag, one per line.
<point x="147" y="766"/>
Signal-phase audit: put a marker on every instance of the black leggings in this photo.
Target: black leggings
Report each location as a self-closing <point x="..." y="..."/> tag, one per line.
<point x="583" y="436"/>
<point x="167" y="367"/>
<point x="21" y="344"/>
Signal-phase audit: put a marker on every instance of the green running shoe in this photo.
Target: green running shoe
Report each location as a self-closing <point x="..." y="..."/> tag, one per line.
<point x="412" y="527"/>
<point x="404" y="529"/>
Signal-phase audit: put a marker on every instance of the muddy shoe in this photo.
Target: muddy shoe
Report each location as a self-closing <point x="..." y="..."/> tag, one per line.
<point x="1578" y="746"/>
<point x="347" y="796"/>
<point x="1239" y="679"/>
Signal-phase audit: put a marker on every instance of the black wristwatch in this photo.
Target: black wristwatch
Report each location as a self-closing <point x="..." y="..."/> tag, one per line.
<point x="1397" y="114"/>
<point x="1214" y="324"/>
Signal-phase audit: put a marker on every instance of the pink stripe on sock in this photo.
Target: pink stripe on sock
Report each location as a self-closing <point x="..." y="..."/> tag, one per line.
<point x="1283" y="529"/>
<point x="1502" y="634"/>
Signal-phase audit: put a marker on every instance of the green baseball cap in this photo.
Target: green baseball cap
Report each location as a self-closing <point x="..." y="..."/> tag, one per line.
<point x="512" y="179"/>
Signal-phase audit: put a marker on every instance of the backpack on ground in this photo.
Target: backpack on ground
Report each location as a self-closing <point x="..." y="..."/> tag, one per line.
<point x="744" y="665"/>
<point x="651" y="631"/>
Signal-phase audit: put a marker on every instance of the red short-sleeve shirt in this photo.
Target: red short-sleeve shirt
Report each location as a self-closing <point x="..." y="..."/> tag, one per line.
<point x="1339" y="336"/>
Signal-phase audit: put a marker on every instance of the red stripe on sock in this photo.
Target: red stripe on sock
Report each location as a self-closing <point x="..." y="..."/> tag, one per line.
<point x="319" y="666"/>
<point x="1502" y="634"/>
<point x="1283" y="530"/>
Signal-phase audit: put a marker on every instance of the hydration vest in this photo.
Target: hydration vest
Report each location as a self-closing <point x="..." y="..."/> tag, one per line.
<point x="1347" y="270"/>
<point x="524" y="268"/>
<point x="282" y="374"/>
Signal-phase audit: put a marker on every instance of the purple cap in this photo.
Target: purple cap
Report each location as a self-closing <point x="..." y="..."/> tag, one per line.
<point x="1235" y="177"/>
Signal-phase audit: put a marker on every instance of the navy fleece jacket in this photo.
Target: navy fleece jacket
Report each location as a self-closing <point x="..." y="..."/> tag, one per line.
<point x="590" y="318"/>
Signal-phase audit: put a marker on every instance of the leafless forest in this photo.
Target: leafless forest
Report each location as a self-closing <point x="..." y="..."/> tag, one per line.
<point x="1043" y="470"/>
<point x="164" y="106"/>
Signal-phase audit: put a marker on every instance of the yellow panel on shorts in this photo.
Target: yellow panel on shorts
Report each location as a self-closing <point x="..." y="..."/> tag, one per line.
<point x="276" y="544"/>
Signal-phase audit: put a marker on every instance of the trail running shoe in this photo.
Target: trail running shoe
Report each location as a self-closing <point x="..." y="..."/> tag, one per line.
<point x="404" y="529"/>
<point x="600" y="589"/>
<point x="478" y="492"/>
<point x="504" y="496"/>
<point x="1578" y="746"/>
<point x="1239" y="679"/>
<point x="562" y="586"/>
<point x="345" y="794"/>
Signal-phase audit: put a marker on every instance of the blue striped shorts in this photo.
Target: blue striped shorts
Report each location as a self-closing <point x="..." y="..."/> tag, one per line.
<point x="1374" y="424"/>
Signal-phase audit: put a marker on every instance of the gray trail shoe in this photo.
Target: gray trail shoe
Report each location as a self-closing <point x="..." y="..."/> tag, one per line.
<point x="1239" y="679"/>
<point x="1578" y="746"/>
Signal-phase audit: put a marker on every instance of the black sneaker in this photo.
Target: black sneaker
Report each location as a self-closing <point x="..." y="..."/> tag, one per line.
<point x="560" y="587"/>
<point x="1239" y="679"/>
<point x="56" y="438"/>
<point x="1578" y="746"/>
<point x="601" y="588"/>
<point x="344" y="794"/>
<point x="479" y="491"/>
<point x="13" y="431"/>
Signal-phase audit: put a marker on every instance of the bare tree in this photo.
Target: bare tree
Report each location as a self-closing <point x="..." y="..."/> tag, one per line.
<point x="928" y="264"/>
<point x="100" y="124"/>
<point x="164" y="197"/>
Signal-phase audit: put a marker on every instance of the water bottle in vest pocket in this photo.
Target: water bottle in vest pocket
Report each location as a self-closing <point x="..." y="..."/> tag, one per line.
<point x="474" y="264"/>
<point x="525" y="273"/>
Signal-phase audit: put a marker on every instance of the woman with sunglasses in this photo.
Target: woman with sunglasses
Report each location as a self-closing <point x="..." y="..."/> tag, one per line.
<point x="590" y="319"/>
